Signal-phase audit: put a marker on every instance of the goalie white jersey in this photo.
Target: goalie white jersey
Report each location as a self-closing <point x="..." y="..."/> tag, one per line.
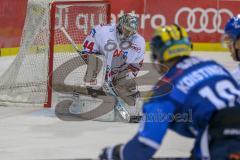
<point x="120" y="55"/>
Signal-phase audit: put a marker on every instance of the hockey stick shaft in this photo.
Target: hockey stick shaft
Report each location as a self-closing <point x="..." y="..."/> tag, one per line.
<point x="70" y="39"/>
<point x="122" y="110"/>
<point x="74" y="45"/>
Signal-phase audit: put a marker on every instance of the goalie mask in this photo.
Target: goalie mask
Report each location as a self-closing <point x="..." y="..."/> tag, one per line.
<point x="127" y="26"/>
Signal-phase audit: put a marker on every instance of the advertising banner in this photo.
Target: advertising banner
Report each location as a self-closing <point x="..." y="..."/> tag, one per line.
<point x="203" y="19"/>
<point x="12" y="16"/>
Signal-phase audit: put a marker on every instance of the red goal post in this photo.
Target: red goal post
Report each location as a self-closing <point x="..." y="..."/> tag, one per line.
<point x="52" y="35"/>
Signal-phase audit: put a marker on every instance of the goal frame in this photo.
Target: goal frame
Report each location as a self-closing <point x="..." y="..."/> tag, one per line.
<point x="52" y="20"/>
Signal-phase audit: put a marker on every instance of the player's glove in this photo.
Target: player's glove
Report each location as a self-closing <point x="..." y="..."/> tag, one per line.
<point x="111" y="153"/>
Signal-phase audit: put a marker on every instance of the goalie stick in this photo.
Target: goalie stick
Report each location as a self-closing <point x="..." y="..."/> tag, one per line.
<point x="74" y="45"/>
<point x="108" y="87"/>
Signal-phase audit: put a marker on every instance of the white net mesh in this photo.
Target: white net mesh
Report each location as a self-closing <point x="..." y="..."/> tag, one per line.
<point x="26" y="81"/>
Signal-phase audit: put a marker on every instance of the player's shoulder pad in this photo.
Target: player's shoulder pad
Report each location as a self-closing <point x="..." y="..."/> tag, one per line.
<point x="103" y="28"/>
<point x="138" y="38"/>
<point x="139" y="42"/>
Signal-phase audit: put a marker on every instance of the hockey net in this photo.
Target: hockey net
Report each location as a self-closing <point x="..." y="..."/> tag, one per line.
<point x="46" y="61"/>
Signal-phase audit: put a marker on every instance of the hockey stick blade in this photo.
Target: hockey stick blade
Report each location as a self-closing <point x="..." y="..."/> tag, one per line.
<point x="121" y="104"/>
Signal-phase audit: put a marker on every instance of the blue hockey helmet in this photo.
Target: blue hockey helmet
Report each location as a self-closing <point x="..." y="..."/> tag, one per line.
<point x="231" y="37"/>
<point x="232" y="28"/>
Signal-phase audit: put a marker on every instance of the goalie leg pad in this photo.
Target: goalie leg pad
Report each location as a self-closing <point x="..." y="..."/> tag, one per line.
<point x="94" y="66"/>
<point x="127" y="90"/>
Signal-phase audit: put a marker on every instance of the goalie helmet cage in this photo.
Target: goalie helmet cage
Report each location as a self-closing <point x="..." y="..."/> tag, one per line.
<point x="46" y="61"/>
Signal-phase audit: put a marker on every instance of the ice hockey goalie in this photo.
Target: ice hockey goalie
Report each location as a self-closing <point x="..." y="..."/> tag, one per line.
<point x="123" y="49"/>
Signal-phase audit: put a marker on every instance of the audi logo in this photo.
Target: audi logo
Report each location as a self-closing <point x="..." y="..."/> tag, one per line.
<point x="203" y="20"/>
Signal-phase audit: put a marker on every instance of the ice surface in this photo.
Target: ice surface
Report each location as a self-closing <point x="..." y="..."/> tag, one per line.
<point x="35" y="133"/>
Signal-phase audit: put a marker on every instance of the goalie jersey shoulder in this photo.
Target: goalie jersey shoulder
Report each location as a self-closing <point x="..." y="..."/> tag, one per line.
<point x="138" y="43"/>
<point x="103" y="30"/>
<point x="109" y="30"/>
<point x="101" y="34"/>
<point x="97" y="37"/>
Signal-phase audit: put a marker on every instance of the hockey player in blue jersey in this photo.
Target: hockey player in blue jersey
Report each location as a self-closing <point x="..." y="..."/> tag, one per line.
<point x="203" y="87"/>
<point x="231" y="39"/>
